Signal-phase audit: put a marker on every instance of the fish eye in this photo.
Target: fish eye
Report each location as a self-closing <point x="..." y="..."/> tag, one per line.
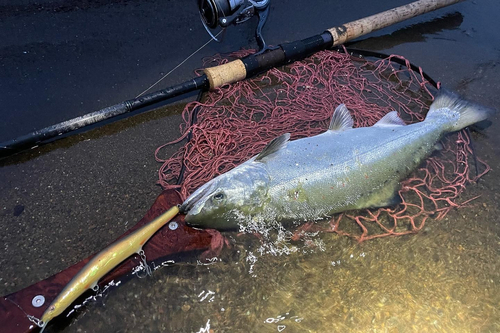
<point x="219" y="196"/>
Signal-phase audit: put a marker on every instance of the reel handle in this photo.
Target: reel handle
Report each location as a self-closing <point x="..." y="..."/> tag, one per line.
<point x="263" y="14"/>
<point x="223" y="13"/>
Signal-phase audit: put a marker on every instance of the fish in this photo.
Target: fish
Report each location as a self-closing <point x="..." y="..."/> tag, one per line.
<point x="341" y="169"/>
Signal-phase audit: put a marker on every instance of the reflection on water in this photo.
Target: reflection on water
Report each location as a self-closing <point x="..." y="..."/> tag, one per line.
<point x="443" y="279"/>
<point x="414" y="33"/>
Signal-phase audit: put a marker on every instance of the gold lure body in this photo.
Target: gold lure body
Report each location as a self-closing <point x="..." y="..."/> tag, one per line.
<point x="103" y="263"/>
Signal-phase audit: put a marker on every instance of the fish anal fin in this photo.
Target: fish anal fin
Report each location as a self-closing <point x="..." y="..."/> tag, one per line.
<point x="390" y="119"/>
<point x="341" y="119"/>
<point x="273" y="146"/>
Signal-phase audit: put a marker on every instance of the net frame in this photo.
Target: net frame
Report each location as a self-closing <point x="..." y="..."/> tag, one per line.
<point x="234" y="123"/>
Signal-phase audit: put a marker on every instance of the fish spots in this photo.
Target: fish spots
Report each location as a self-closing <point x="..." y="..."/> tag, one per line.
<point x="297" y="194"/>
<point x="366" y="176"/>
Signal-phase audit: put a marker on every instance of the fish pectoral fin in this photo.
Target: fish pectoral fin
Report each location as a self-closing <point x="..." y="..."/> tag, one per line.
<point x="387" y="202"/>
<point x="385" y="197"/>
<point x="273" y="146"/>
<point x="341" y="119"/>
<point x="390" y="119"/>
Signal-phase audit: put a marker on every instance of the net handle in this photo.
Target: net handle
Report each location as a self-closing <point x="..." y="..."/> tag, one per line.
<point x="355" y="29"/>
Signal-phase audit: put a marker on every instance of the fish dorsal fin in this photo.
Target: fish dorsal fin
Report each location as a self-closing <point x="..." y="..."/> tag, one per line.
<point x="341" y="119"/>
<point x="390" y="119"/>
<point x="273" y="146"/>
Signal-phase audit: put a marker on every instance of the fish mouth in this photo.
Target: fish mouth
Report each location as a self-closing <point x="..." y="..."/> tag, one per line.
<point x="194" y="198"/>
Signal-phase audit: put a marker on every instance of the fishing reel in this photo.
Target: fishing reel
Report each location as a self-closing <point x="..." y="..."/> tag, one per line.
<point x="223" y="13"/>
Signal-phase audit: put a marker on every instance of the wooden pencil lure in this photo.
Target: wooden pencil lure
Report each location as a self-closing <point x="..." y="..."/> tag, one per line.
<point x="103" y="263"/>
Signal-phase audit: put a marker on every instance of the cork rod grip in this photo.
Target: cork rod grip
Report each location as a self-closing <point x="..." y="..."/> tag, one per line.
<point x="237" y="70"/>
<point x="378" y="21"/>
<point x="231" y="72"/>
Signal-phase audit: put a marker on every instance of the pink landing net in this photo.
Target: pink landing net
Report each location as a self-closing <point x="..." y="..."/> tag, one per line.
<point x="235" y="122"/>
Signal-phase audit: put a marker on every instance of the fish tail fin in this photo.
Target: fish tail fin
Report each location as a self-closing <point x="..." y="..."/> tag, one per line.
<point x="459" y="111"/>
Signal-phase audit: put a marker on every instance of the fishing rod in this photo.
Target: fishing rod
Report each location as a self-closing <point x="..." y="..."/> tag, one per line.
<point x="236" y="70"/>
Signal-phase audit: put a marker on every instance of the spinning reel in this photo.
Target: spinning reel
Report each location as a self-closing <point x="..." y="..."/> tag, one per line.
<point x="223" y="13"/>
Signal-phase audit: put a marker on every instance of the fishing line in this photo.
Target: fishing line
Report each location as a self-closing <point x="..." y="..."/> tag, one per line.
<point x="31" y="318"/>
<point x="179" y="65"/>
<point x="352" y="51"/>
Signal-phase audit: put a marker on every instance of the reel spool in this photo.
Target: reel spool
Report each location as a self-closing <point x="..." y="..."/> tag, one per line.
<point x="223" y="13"/>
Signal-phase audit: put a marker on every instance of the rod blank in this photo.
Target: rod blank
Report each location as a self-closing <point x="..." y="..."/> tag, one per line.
<point x="37" y="137"/>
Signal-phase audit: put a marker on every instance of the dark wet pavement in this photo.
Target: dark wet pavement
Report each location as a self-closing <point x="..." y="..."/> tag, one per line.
<point x="61" y="59"/>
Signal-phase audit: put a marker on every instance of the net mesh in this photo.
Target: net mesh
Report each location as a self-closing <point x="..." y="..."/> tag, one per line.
<point x="235" y="122"/>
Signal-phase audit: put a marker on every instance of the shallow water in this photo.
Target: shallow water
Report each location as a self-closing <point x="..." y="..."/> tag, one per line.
<point x="441" y="280"/>
<point x="62" y="202"/>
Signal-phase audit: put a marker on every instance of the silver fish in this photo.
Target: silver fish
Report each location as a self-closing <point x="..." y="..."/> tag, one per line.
<point x="341" y="169"/>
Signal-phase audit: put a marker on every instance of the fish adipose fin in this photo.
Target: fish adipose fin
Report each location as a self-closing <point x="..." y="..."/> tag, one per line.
<point x="273" y="146"/>
<point x="462" y="113"/>
<point x="390" y="119"/>
<point x="341" y="119"/>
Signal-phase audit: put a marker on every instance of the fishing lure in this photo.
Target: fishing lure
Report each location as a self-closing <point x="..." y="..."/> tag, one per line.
<point x="103" y="263"/>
